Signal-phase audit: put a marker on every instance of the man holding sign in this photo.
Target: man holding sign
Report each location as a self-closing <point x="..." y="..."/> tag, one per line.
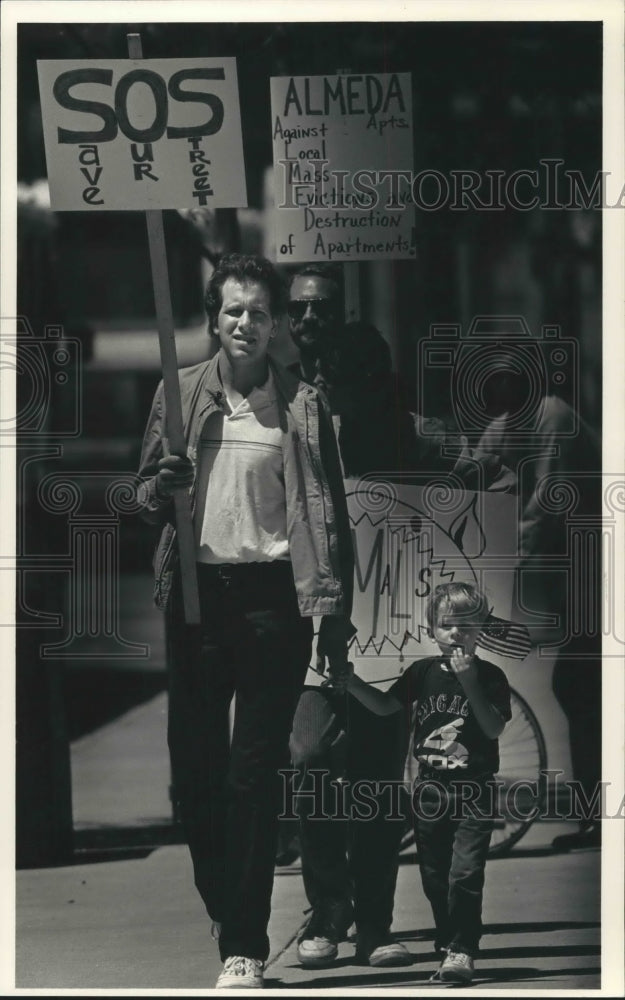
<point x="273" y="549"/>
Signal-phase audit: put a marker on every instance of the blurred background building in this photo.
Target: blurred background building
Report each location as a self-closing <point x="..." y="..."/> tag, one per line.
<point x="486" y="97"/>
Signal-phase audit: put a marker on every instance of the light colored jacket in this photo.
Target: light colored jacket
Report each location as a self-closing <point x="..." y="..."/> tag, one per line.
<point x="318" y="530"/>
<point x="561" y="451"/>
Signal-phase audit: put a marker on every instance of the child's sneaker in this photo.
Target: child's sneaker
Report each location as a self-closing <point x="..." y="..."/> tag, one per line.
<point x="457" y="967"/>
<point x="240" y="973"/>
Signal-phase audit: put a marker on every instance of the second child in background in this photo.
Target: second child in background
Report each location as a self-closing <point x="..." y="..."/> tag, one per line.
<point x="461" y="705"/>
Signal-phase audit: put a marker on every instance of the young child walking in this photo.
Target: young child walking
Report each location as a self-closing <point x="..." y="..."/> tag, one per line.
<point x="462" y="704"/>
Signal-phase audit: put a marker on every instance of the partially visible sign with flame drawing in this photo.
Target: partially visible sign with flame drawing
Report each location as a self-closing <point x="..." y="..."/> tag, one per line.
<point x="408" y="539"/>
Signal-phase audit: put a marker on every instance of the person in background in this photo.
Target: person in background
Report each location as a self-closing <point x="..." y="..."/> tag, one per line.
<point x="462" y="705"/>
<point x="273" y="549"/>
<point x="559" y="455"/>
<point x="373" y="409"/>
<point x="370" y="403"/>
<point x="349" y="868"/>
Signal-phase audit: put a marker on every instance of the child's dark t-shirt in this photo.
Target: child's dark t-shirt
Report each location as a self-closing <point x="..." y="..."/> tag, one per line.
<point x="447" y="736"/>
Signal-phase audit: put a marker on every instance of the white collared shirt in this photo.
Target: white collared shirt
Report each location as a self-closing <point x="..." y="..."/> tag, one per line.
<point x="241" y="503"/>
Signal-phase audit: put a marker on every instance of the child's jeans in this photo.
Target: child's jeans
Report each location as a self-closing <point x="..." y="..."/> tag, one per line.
<point x="453" y="823"/>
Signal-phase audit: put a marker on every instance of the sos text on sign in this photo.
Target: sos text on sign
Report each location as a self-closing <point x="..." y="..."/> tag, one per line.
<point x="123" y="134"/>
<point x="117" y="117"/>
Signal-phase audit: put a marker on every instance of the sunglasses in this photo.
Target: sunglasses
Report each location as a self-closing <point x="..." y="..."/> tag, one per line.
<point x="323" y="308"/>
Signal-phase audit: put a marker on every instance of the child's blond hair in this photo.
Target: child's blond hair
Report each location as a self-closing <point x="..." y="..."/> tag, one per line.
<point x="463" y="599"/>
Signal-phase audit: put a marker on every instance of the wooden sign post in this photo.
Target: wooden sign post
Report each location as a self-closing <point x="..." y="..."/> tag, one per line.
<point x="173" y="407"/>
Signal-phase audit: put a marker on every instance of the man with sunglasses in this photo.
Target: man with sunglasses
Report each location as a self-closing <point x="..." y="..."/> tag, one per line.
<point x="315" y="320"/>
<point x="351" y="364"/>
<point x="349" y="867"/>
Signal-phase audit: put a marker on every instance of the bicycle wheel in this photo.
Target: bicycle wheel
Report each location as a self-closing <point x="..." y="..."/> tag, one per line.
<point x="522" y="791"/>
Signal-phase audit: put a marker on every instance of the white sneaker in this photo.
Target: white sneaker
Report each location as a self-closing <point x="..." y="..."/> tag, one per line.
<point x="456" y="968"/>
<point x="240" y="973"/>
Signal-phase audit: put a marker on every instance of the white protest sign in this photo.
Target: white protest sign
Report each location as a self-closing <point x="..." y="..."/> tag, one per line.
<point x="407" y="539"/>
<point x="339" y="145"/>
<point x="141" y="134"/>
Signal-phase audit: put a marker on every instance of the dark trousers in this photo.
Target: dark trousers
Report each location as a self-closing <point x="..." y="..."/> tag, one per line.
<point x="577" y="687"/>
<point x="452" y="850"/>
<point x="353" y="858"/>
<point x="253" y="644"/>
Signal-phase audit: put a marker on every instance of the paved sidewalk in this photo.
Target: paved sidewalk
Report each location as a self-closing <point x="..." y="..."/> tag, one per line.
<point x="139" y="924"/>
<point x="541" y="928"/>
